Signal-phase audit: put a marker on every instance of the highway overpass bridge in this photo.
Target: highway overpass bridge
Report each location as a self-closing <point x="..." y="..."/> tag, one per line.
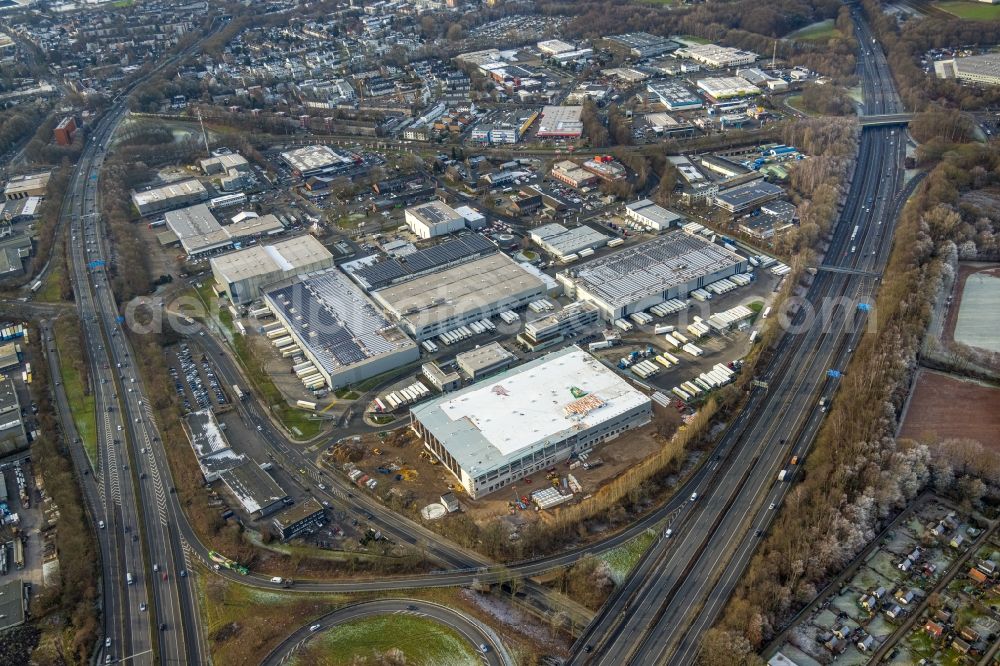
<point x="886" y="119"/>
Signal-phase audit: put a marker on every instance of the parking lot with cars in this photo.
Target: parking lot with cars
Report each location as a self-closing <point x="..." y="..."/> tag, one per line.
<point x="195" y="381"/>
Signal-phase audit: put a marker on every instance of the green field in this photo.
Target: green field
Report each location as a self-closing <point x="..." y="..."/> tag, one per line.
<point x="972" y="11"/>
<point x="81" y="405"/>
<point x="405" y="639"/>
<point x="624" y="558"/>
<point x="816" y="32"/>
<point x="696" y="40"/>
<point x="49" y="292"/>
<point x="795" y="101"/>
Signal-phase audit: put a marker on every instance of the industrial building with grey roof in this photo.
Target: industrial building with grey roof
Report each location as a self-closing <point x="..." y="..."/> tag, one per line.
<point x="378" y="274"/>
<point x="564" y="243"/>
<point x="442" y="301"/>
<point x="242" y="274"/>
<point x="641" y="276"/>
<point x="166" y="197"/>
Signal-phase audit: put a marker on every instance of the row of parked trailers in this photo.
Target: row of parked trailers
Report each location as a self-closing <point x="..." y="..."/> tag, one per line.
<point x="726" y="285"/>
<point x="645" y="369"/>
<point x="728" y="318"/>
<point x="673" y="306"/>
<point x="13" y="331"/>
<point x="390" y="402"/>
<point x="509" y="317"/>
<point x="641" y="318"/>
<point x="698" y="329"/>
<point x="261" y="312"/>
<point x="541" y="305"/>
<point x="308" y="374"/>
<point x="675" y="339"/>
<point x="305" y="370"/>
<point x="719" y="375"/>
<point x="463" y="332"/>
<point x="780" y="270"/>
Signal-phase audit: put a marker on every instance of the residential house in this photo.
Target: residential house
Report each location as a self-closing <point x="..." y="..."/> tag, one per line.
<point x="934" y="629"/>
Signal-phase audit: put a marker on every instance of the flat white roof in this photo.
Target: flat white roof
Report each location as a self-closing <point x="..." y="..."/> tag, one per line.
<point x="470" y="214"/>
<point x="539" y="403"/>
<point x="287" y="256"/>
<point x="560" y="241"/>
<point x="313" y="158"/>
<point x="434" y="212"/>
<point x="180" y="189"/>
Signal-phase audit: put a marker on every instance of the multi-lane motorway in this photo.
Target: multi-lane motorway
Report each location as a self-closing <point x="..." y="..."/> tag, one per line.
<point x="150" y="607"/>
<point x="682" y="584"/>
<point x="150" y="612"/>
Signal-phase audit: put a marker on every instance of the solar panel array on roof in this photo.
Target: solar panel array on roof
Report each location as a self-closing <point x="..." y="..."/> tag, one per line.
<point x="653" y="266"/>
<point x="333" y="319"/>
<point x="393" y="270"/>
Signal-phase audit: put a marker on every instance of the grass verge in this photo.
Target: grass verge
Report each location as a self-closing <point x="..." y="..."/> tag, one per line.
<point x="795" y="101"/>
<point x="624" y="558"/>
<point x="51" y="289"/>
<point x="81" y="400"/>
<point x="821" y="31"/>
<point x="243" y="623"/>
<point x="971" y="11"/>
<point x="408" y="639"/>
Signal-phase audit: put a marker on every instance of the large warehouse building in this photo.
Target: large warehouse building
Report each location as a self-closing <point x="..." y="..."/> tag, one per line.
<point x="433" y="218"/>
<point x="524" y="420"/>
<point x="337" y="328"/>
<point x="316" y="160"/>
<point x="242" y="274"/>
<point x="170" y="196"/>
<point x="561" y="122"/>
<point x="439" y="302"/>
<point x="199" y="233"/>
<point x="564" y="243"/>
<point x="649" y="273"/>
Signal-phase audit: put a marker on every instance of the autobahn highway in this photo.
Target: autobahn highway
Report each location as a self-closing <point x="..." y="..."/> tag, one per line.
<point x="149" y="616"/>
<point x="684" y="582"/>
<point x="132" y="487"/>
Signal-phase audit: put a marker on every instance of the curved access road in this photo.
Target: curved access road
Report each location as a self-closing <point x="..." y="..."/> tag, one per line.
<point x="470" y="629"/>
